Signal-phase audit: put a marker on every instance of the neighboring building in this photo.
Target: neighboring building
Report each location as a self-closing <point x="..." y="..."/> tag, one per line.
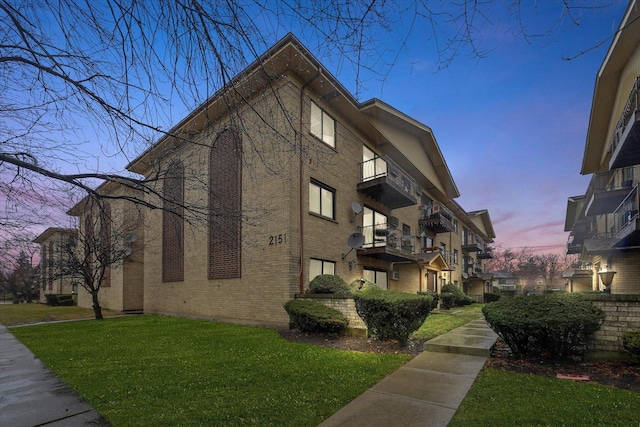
<point x="578" y="279"/>
<point x="111" y="234"/>
<point x="604" y="222"/>
<point x="505" y="282"/>
<point x="53" y="250"/>
<point x="299" y="179"/>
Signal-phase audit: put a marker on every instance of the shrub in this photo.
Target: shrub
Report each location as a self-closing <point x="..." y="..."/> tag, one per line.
<point x="631" y="342"/>
<point x="491" y="297"/>
<point x="447" y="299"/>
<point x="435" y="298"/>
<point x="392" y="314"/>
<point x="311" y="316"/>
<point x="552" y="324"/>
<point x="328" y="284"/>
<point x="355" y="286"/>
<point x="460" y="298"/>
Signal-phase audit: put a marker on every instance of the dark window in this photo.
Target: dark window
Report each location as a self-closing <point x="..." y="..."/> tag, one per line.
<point x="225" y="207"/>
<point x="173" y="224"/>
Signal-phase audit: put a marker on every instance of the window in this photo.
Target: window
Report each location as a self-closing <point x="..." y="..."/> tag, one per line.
<point x="373" y="166"/>
<point x="173" y="224"/>
<point x="443" y="249"/>
<point x="455" y="256"/>
<point x="225" y="207"/>
<point x="374" y="228"/>
<point x="322" y="125"/>
<point x="319" y="266"/>
<point x="455" y="225"/>
<point x="379" y="277"/>
<point x="321" y="199"/>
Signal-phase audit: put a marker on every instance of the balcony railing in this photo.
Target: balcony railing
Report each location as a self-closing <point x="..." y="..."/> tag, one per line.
<point x="387" y="242"/>
<point x="624" y="218"/>
<point x="471" y="242"/>
<point x="437" y="218"/>
<point x="625" y="141"/>
<point x="605" y="193"/>
<point x="385" y="181"/>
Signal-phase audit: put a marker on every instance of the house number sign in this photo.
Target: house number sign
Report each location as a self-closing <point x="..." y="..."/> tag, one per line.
<point x="278" y="239"/>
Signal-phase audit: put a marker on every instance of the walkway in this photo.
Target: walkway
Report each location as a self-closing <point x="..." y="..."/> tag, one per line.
<point x="31" y="395"/>
<point x="427" y="390"/>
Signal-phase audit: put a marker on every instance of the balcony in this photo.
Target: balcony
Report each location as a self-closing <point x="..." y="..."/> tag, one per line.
<point x="436" y="218"/>
<point x="487" y="253"/>
<point x="387" y="243"/>
<point x="604" y="195"/>
<point x="623" y="230"/>
<point x="625" y="141"/>
<point x="386" y="182"/>
<point x="581" y="230"/>
<point x="472" y="243"/>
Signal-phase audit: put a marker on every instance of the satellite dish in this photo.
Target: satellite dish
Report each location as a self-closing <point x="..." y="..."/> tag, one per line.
<point x="355" y="240"/>
<point x="130" y="238"/>
<point x="126" y="251"/>
<point x="356" y="208"/>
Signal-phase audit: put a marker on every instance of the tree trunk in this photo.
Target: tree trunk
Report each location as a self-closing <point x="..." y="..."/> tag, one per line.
<point x="97" y="310"/>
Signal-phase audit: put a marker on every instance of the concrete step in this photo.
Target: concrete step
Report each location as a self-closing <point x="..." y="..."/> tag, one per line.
<point x="473" y="339"/>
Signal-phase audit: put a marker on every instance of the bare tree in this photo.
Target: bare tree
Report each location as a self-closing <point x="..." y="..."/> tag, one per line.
<point x="118" y="74"/>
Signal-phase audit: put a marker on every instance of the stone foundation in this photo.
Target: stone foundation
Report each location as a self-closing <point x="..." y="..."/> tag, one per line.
<point x="622" y="314"/>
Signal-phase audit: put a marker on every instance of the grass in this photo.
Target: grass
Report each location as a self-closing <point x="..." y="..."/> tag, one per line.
<point x="162" y="371"/>
<point x="443" y="321"/>
<point x="502" y="398"/>
<point x="17" y="314"/>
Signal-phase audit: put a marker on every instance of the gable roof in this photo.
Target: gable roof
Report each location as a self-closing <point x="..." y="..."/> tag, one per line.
<point x="624" y="43"/>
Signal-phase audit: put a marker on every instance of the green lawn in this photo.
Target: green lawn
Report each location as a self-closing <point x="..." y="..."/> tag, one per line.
<point x="501" y="398"/>
<point x="438" y="323"/>
<point x="163" y="371"/>
<point x="15" y="314"/>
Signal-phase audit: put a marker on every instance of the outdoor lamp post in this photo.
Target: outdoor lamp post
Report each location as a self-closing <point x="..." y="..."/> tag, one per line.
<point x="606" y="277"/>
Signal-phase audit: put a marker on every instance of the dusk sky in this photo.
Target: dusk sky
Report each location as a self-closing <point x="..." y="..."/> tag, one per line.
<point x="511" y="125"/>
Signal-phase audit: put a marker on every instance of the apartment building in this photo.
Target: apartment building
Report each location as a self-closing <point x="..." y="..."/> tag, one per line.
<point x="603" y="223"/>
<point x="279" y="177"/>
<point x="53" y="249"/>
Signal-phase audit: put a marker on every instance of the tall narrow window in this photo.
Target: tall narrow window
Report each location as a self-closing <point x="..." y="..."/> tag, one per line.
<point x="173" y="224"/>
<point x="225" y="207"/>
<point x="374" y="228"/>
<point x="322" y="125"/>
<point x="104" y="249"/>
<point x="321" y="199"/>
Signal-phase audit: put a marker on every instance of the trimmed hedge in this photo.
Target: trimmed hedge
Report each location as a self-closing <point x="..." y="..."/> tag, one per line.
<point x="555" y="325"/>
<point x="354" y="286"/>
<point x="631" y="342"/>
<point x="491" y="297"/>
<point x="460" y="299"/>
<point x="311" y="316"/>
<point x="328" y="284"/>
<point x="392" y="314"/>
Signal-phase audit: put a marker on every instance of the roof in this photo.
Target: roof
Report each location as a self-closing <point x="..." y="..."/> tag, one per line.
<point x="289" y="57"/>
<point x="575" y="205"/>
<point x="53" y="231"/>
<point x="625" y="42"/>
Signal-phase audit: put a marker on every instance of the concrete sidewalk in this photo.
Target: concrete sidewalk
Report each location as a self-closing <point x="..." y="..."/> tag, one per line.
<point x="31" y="395"/>
<point x="427" y="390"/>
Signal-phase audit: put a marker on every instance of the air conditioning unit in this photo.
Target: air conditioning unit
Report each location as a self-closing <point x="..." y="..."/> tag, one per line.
<point x="395" y="275"/>
<point x="393" y="221"/>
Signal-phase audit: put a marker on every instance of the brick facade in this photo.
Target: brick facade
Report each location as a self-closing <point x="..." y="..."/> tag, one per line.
<point x="622" y="314"/>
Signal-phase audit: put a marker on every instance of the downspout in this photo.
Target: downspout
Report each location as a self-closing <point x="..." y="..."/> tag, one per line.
<point x="301" y="186"/>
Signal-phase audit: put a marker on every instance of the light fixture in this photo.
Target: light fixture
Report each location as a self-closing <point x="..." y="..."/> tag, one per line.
<point x="607" y="277"/>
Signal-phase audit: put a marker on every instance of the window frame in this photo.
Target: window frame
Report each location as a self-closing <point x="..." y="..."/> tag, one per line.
<point x="322" y="267"/>
<point x="322" y="136"/>
<point x="375" y="272"/>
<point x="322" y="187"/>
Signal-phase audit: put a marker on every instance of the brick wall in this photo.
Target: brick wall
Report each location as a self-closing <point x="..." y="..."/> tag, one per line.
<point x="622" y="315"/>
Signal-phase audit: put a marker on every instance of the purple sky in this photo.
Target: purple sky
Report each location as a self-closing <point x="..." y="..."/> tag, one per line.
<point x="512" y="125"/>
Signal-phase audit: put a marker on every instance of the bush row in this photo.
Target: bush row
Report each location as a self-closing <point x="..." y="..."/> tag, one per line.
<point x="631" y="342"/>
<point x="452" y="296"/>
<point x="551" y="324"/>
